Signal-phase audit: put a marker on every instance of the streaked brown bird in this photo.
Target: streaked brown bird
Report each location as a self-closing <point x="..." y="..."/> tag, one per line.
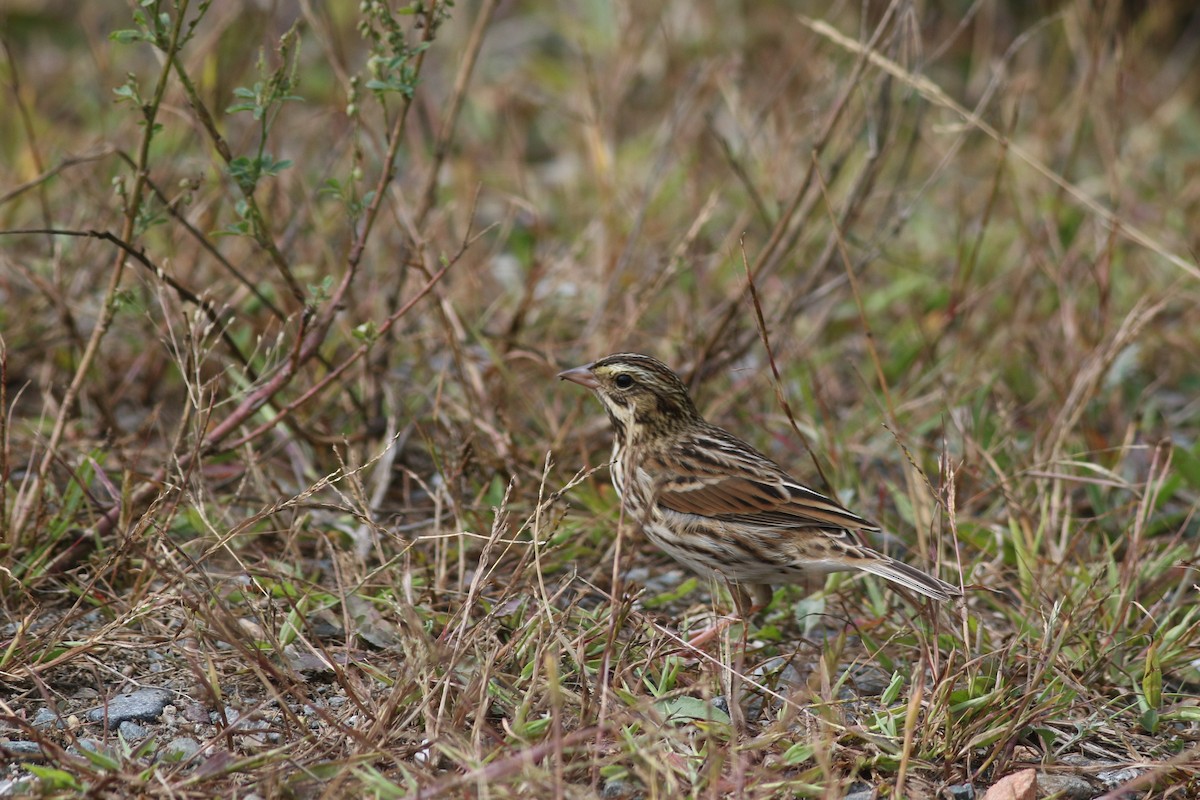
<point x="716" y="504"/>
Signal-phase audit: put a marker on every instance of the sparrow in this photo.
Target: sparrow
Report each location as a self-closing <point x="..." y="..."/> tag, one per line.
<point x="716" y="504"/>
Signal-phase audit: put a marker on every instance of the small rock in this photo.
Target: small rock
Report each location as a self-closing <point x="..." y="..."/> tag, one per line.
<point x="144" y="705"/>
<point x="323" y="628"/>
<point x="306" y="660"/>
<point x="861" y="791"/>
<point x="869" y="680"/>
<point x="617" y="789"/>
<point x="132" y="731"/>
<point x="780" y="676"/>
<point x="1067" y="787"/>
<point x="1110" y="773"/>
<point x="26" y="751"/>
<point x="423" y="756"/>
<point x="180" y="749"/>
<point x="1021" y="785"/>
<point x="91" y="746"/>
<point x="254" y="730"/>
<point x="1116" y="777"/>
<point x="961" y="791"/>
<point x="779" y="672"/>
<point x="21" y="787"/>
<point x="656" y="582"/>
<point x="196" y="712"/>
<point x="46" y="718"/>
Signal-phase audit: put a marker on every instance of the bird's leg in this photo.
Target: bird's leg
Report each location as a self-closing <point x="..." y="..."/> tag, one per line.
<point x="748" y="599"/>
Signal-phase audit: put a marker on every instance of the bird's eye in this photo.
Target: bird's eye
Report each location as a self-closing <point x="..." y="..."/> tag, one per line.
<point x="623" y="381"/>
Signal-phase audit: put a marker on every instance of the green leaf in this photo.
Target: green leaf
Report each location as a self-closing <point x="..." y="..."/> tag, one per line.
<point x="691" y="709"/>
<point x="1187" y="464"/>
<point x="99" y="757"/>
<point x="1185" y="713"/>
<point x="681" y="590"/>
<point x="244" y="172"/>
<point x="127" y="36"/>
<point x="54" y="778"/>
<point x="798" y="754"/>
<point x="268" y="167"/>
<point x="1152" y="679"/>
<point x="533" y="729"/>
<point x="892" y="692"/>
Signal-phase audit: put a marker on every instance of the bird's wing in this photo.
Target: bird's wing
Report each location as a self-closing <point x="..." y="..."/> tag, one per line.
<point x="723" y="478"/>
<point x="742" y="485"/>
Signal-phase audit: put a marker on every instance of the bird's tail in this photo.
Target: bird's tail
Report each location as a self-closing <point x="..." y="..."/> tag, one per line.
<point x="911" y="578"/>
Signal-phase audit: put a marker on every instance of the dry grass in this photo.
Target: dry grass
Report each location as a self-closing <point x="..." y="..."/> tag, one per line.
<point x="279" y="328"/>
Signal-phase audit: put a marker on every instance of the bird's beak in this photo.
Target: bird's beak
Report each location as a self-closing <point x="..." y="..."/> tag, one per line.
<point x="581" y="375"/>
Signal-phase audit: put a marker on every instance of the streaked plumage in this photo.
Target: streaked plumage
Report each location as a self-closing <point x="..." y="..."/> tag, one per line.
<point x="716" y="504"/>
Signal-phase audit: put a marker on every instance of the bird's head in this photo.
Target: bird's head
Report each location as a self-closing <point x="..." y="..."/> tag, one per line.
<point x="641" y="394"/>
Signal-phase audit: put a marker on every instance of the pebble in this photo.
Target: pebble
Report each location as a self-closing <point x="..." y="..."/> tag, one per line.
<point x="779" y="673"/>
<point x="253" y="729"/>
<point x="19" y="787"/>
<point x="860" y="791"/>
<point x="45" y="718"/>
<point x="91" y="746"/>
<point x="196" y="712"/>
<point x="616" y="789"/>
<point x="656" y="582"/>
<point x="179" y="749"/>
<point x="144" y="705"/>
<point x="868" y="680"/>
<point x="1115" y="777"/>
<point x="1110" y="773"/>
<point x="132" y="731"/>
<point x="27" y="751"/>
<point x="1066" y="787"/>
